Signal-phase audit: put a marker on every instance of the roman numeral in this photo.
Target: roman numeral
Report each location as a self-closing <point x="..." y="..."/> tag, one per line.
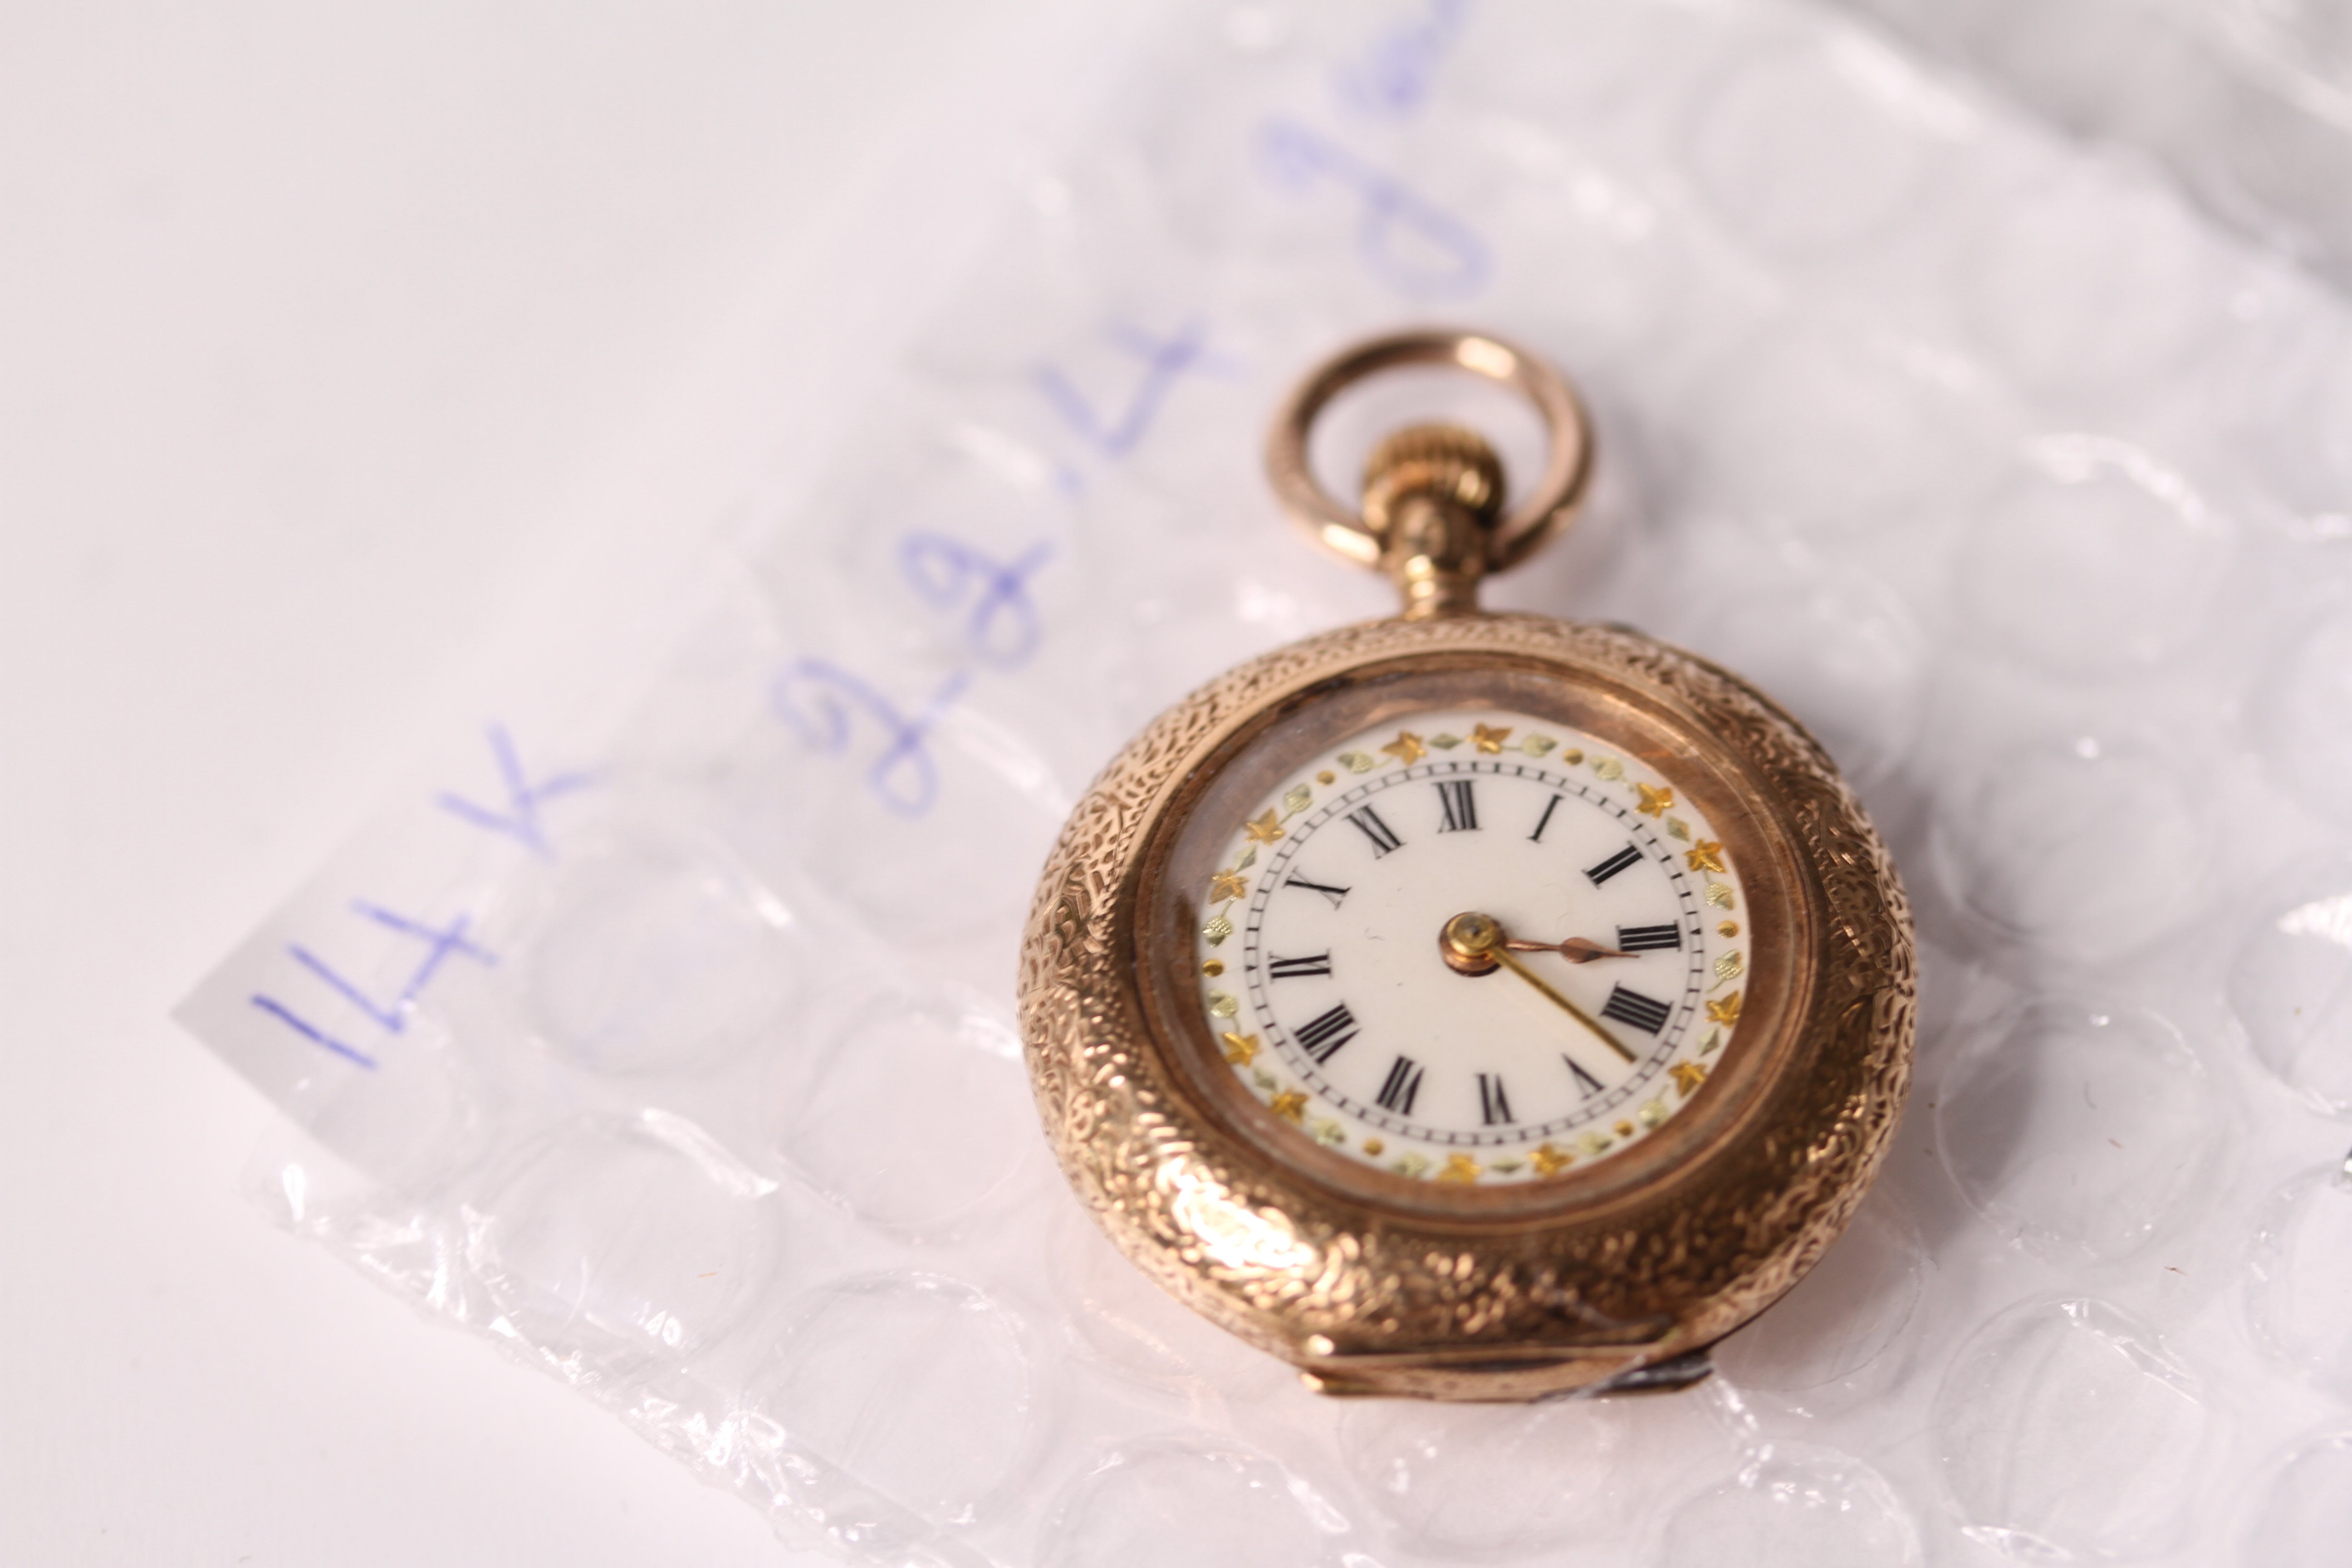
<point x="1297" y="968"/>
<point x="1545" y="820"/>
<point x="1334" y="894"/>
<point x="1322" y="1037"/>
<point x="1648" y="939"/>
<point x="1493" y="1107"/>
<point x="1397" y="1090"/>
<point x="1461" y="807"/>
<point x="1628" y="856"/>
<point x="1646" y="1014"/>
<point x="1369" y="822"/>
<point x="1586" y="1084"/>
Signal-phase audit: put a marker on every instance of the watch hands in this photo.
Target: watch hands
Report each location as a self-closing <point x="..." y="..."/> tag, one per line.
<point x="1576" y="949"/>
<point x="1475" y="937"/>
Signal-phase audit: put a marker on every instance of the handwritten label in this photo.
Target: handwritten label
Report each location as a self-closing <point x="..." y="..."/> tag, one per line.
<point x="1000" y="630"/>
<point x="1394" y="76"/>
<point x="521" y="821"/>
<point x="1408" y="241"/>
<point x="1164" y="359"/>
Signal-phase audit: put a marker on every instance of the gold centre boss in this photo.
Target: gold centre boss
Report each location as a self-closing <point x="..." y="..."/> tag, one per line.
<point x="1469" y="1006"/>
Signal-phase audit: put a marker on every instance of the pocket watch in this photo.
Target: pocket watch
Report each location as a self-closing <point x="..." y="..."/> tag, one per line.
<point x="1469" y="1006"/>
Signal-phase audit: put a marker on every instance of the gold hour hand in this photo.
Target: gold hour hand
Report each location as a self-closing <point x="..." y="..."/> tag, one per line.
<point x="1576" y="949"/>
<point x="1474" y="941"/>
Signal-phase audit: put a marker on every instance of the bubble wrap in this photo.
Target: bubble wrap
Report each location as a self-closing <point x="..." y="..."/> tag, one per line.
<point x="670" y="1045"/>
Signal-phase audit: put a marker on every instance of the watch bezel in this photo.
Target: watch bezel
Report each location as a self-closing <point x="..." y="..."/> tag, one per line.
<point x="1779" y="919"/>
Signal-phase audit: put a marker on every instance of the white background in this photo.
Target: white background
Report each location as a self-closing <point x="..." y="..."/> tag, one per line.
<point x="345" y="353"/>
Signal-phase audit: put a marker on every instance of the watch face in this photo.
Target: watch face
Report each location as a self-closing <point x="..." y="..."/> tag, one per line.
<point x="1465" y="945"/>
<point x="1337" y="975"/>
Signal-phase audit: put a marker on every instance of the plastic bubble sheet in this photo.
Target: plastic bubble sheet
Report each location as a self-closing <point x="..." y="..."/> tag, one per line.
<point x="669" y="1044"/>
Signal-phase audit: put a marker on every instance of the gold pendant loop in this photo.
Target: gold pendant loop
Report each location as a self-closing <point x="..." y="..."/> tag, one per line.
<point x="1546" y="511"/>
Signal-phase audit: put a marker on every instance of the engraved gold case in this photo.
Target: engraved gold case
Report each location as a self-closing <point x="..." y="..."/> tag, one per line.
<point x="1303" y="1051"/>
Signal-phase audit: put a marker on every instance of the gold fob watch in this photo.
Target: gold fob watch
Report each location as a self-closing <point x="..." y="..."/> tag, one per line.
<point x="1469" y="1006"/>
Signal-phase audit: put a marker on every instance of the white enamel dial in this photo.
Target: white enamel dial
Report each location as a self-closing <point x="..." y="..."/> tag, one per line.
<point x="1326" y="977"/>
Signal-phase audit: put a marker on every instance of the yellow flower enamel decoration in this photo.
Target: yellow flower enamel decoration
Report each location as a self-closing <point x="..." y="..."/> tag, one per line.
<point x="1411" y="945"/>
<point x="1407" y="747"/>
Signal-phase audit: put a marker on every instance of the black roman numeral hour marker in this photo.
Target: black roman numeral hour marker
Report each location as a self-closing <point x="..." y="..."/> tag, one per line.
<point x="1397" y="1090"/>
<point x="1628" y="856"/>
<point x="1648" y="939"/>
<point x="1545" y="820"/>
<point x="1334" y="894"/>
<point x="1586" y="1084"/>
<point x="1646" y="1014"/>
<point x="1369" y="823"/>
<point x="1460" y="806"/>
<point x="1493" y="1107"/>
<point x="1297" y="968"/>
<point x="1322" y="1037"/>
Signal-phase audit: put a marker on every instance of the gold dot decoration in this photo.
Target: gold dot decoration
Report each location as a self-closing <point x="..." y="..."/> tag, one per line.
<point x="1728" y="928"/>
<point x="1324" y="777"/>
<point x="1214" y="968"/>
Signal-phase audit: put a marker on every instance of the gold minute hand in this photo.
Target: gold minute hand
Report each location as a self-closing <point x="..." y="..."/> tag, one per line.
<point x="1481" y="936"/>
<point x="1502" y="956"/>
